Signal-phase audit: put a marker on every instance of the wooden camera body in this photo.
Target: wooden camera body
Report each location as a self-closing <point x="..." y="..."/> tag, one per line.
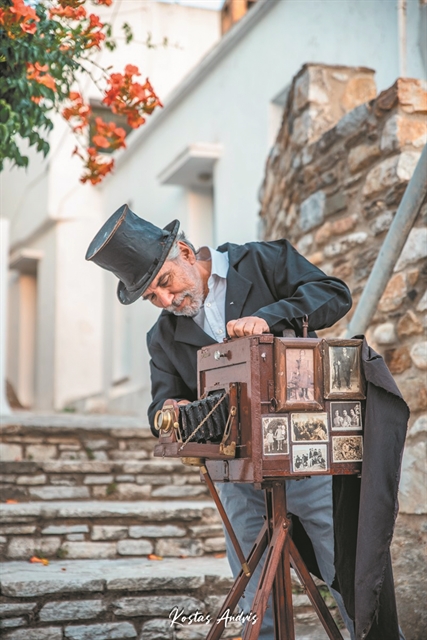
<point x="293" y="407"/>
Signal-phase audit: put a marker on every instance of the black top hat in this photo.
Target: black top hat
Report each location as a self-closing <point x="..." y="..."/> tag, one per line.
<point x="133" y="249"/>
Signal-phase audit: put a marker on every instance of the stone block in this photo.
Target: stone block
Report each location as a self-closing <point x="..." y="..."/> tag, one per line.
<point x="157" y="630"/>
<point x="100" y="455"/>
<point x="10" y="452"/>
<point x="11" y="623"/>
<point x="175" y="582"/>
<point x="69" y="447"/>
<point x="412" y="95"/>
<point x="98" y="479"/>
<point x="129" y="491"/>
<point x="316" y="258"/>
<point x="400" y="131"/>
<point x="109" y="532"/>
<point x="77" y="610"/>
<point x="129" y="455"/>
<point x="134" y="547"/>
<point x="358" y="90"/>
<point x="75" y="466"/>
<point x="41" y="452"/>
<point x="73" y="455"/>
<point x="143" y="433"/>
<point x="32" y="480"/>
<point x="382" y="222"/>
<point x="346" y="243"/>
<point x="19" y="529"/>
<point x="394" y="294"/>
<point x="47" y="633"/>
<point x="64" y="481"/>
<point x="409" y="325"/>
<point x="7" y="478"/>
<point x="179" y="492"/>
<point x="362" y="156"/>
<point x="413" y="389"/>
<point x="398" y="360"/>
<point x="172" y="547"/>
<point x="75" y="537"/>
<point x="422" y="304"/>
<point x="415" y="248"/>
<point x="154" y="479"/>
<point x="390" y="172"/>
<point x="206" y="531"/>
<point x="343" y="225"/>
<point x="97" y="444"/>
<point x="99" y="491"/>
<point x="312" y="211"/>
<point x="419" y="426"/>
<point x="63" y="529"/>
<point x="104" y="631"/>
<point x="89" y="549"/>
<point x="323" y="233"/>
<point x="352" y="123"/>
<point x="24" y="548"/>
<point x="214" y="545"/>
<point x="125" y="478"/>
<point x="419" y="354"/>
<point x="335" y="203"/>
<point x="414" y="478"/>
<point x="155" y="605"/>
<point x="385" y="333"/>
<point x="59" y="493"/>
<point x="151" y="531"/>
<point x="16" y="608"/>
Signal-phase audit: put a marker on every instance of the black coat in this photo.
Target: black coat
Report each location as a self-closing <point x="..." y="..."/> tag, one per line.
<point x="266" y="279"/>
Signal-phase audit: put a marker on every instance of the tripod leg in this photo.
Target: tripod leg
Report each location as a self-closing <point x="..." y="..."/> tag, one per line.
<point x="239" y="585"/>
<point x="316" y="599"/>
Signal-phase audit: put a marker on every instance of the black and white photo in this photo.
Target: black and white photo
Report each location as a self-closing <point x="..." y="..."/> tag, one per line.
<point x="275" y="436"/>
<point x="309" y="458"/>
<point x="342" y="369"/>
<point x="300" y="375"/>
<point x="345" y="415"/>
<point x="347" y="449"/>
<point x="309" y="426"/>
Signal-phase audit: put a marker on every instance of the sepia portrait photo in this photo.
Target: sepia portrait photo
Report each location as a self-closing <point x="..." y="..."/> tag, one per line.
<point x="300" y="375"/>
<point x="345" y="415"/>
<point x="309" y="458"/>
<point x="347" y="449"/>
<point x="275" y="436"/>
<point x="309" y="426"/>
<point x="343" y="375"/>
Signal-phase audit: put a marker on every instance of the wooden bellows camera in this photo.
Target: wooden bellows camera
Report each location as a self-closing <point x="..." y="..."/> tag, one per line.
<point x="271" y="407"/>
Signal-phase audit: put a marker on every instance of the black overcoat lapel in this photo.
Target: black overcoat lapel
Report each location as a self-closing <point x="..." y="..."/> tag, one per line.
<point x="189" y="332"/>
<point x="238" y="286"/>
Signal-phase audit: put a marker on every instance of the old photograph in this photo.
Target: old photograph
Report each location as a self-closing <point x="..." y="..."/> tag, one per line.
<point x="275" y="436"/>
<point x="309" y="426"/>
<point x="342" y="369"/>
<point x="309" y="458"/>
<point x="345" y="415"/>
<point x="300" y="375"/>
<point x="347" y="449"/>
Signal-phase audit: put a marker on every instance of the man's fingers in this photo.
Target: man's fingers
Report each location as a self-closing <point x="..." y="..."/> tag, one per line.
<point x="248" y="326"/>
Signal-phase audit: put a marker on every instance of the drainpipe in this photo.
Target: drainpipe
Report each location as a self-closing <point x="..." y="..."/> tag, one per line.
<point x="401" y="21"/>
<point x="4" y="269"/>
<point x="391" y="249"/>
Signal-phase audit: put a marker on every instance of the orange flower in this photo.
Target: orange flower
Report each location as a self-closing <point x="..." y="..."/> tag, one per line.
<point x="129" y="98"/>
<point x="43" y="561"/>
<point x="18" y="19"/>
<point x="108" y="135"/>
<point x="38" y="73"/>
<point x="107" y="3"/>
<point x="72" y="13"/>
<point x="78" y="112"/>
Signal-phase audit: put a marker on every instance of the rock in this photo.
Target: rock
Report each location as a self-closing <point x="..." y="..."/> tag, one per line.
<point x="31" y="480"/>
<point x="26" y="547"/>
<point x="96" y="444"/>
<point x="414" y="478"/>
<point x="214" y="545"/>
<point x="157" y="630"/>
<point x="179" y="492"/>
<point x="129" y="491"/>
<point x="422" y="304"/>
<point x="77" y="610"/>
<point x="16" y="608"/>
<point x="47" y="633"/>
<point x="7" y="478"/>
<point x="415" y="248"/>
<point x="312" y="211"/>
<point x="23" y="529"/>
<point x="105" y="631"/>
<point x="60" y="530"/>
<point x="413" y="390"/>
<point x="59" y="493"/>
<point x="179" y="547"/>
<point x="89" y="549"/>
<point x="10" y="623"/>
<point x="98" y="479"/>
<point x="385" y="333"/>
<point x="400" y="130"/>
<point x="323" y="234"/>
<point x="10" y="452"/>
<point x="390" y="172"/>
<point x="412" y="95"/>
<point x="75" y="537"/>
<point x="343" y="225"/>
<point x="155" y="605"/>
<point x="412" y="276"/>
<point x="125" y="478"/>
<point x="99" y="492"/>
<point x="41" y="452"/>
<point x="109" y="532"/>
<point x="304" y="245"/>
<point x="382" y="222"/>
<point x="419" y="426"/>
<point x="394" y="294"/>
<point x="336" y="203"/>
<point x="419" y="354"/>
<point x="398" y="360"/>
<point x="205" y="531"/>
<point x="359" y="89"/>
<point x="75" y="466"/>
<point x="134" y="547"/>
<point x="346" y="243"/>
<point x="156" y="532"/>
<point x="409" y="325"/>
<point x="361" y="156"/>
<point x="159" y="479"/>
<point x="316" y="258"/>
<point x="128" y="455"/>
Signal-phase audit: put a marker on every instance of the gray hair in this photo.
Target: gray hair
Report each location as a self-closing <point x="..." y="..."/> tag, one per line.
<point x="175" y="250"/>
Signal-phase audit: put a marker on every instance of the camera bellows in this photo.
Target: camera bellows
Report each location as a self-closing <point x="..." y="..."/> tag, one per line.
<point x="192" y="415"/>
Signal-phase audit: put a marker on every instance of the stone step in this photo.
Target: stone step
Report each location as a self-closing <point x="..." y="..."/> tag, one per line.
<point x="124" y="598"/>
<point x="100" y="479"/>
<point x="101" y="529"/>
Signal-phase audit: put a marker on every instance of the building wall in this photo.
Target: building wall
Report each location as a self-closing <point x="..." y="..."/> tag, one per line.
<point x="334" y="199"/>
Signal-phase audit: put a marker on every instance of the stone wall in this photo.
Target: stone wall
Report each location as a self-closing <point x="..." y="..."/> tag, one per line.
<point x="332" y="191"/>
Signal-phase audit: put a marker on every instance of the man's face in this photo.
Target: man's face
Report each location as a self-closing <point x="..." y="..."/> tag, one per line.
<point x="178" y="287"/>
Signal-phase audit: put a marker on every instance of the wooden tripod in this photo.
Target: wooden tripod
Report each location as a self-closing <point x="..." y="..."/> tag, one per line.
<point x="276" y="574"/>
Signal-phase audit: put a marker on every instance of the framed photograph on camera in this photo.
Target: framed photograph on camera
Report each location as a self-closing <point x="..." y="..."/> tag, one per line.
<point x="342" y="369"/>
<point x="275" y="436"/>
<point x="309" y="427"/>
<point x="347" y="449"/>
<point x="345" y="416"/>
<point x="298" y="374"/>
<point x="309" y="458"/>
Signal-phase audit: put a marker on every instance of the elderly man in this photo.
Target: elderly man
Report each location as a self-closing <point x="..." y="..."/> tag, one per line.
<point x="236" y="290"/>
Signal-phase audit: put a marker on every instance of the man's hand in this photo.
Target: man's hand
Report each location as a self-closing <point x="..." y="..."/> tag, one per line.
<point x="248" y="326"/>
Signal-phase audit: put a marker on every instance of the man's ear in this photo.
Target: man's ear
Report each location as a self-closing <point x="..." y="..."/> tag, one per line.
<point x="187" y="253"/>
